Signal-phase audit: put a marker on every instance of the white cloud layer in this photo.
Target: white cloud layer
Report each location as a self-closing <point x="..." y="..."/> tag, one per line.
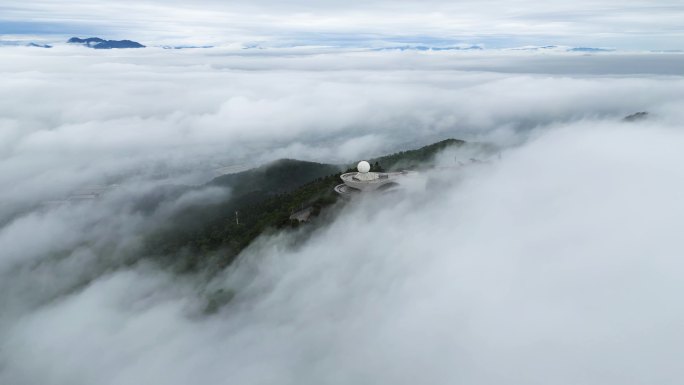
<point x="106" y="116"/>
<point x="557" y="264"/>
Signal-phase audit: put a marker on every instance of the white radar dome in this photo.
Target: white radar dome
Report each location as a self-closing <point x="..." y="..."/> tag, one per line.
<point x="363" y="167"/>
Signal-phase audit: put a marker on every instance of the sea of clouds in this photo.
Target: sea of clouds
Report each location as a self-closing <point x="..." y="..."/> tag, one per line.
<point x="556" y="262"/>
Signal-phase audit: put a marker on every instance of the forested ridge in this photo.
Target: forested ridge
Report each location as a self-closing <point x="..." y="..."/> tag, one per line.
<point x="209" y="236"/>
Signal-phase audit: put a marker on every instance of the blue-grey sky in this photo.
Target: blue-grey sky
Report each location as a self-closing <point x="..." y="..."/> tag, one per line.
<point x="627" y="24"/>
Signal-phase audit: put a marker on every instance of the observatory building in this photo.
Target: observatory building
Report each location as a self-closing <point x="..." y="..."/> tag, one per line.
<point x="364" y="180"/>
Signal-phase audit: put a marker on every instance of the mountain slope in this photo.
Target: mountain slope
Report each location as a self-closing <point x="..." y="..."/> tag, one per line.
<point x="417" y="158"/>
<point x="209" y="236"/>
<point x="278" y="177"/>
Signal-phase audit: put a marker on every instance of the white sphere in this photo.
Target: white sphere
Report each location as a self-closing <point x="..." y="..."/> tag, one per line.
<point x="363" y="167"/>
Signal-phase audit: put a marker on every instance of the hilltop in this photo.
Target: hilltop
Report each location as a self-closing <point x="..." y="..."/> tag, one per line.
<point x="209" y="237"/>
<point x="98" y="43"/>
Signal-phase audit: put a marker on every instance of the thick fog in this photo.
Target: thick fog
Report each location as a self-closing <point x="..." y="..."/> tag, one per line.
<point x="554" y="263"/>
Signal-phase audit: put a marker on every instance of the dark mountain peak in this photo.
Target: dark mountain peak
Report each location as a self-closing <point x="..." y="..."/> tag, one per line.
<point x="109" y="44"/>
<point x="38" y="45"/>
<point x="97" y="43"/>
<point x="87" y="41"/>
<point x="636" y="116"/>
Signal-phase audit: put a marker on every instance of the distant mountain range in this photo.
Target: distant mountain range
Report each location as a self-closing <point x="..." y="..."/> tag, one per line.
<point x="38" y="45"/>
<point x="98" y="43"/>
<point x="441" y="47"/>
<point x="24" y="44"/>
<point x="560" y="48"/>
<point x="430" y="48"/>
<point x="187" y="46"/>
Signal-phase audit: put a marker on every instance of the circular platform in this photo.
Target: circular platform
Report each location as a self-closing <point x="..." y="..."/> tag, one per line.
<point x="345" y="190"/>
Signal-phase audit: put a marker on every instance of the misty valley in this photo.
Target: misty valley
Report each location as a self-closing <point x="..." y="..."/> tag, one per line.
<point x="335" y="193"/>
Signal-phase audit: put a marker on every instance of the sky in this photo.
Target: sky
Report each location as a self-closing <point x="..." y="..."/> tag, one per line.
<point x="627" y="25"/>
<point x="555" y="261"/>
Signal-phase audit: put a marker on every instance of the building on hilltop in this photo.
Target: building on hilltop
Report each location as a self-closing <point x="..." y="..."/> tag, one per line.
<point x="365" y="181"/>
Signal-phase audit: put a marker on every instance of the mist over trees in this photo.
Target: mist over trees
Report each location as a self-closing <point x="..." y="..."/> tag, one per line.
<point x="542" y="245"/>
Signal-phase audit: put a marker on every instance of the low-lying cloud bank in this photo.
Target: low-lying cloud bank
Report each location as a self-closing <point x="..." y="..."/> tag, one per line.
<point x="70" y="119"/>
<point x="557" y="263"/>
